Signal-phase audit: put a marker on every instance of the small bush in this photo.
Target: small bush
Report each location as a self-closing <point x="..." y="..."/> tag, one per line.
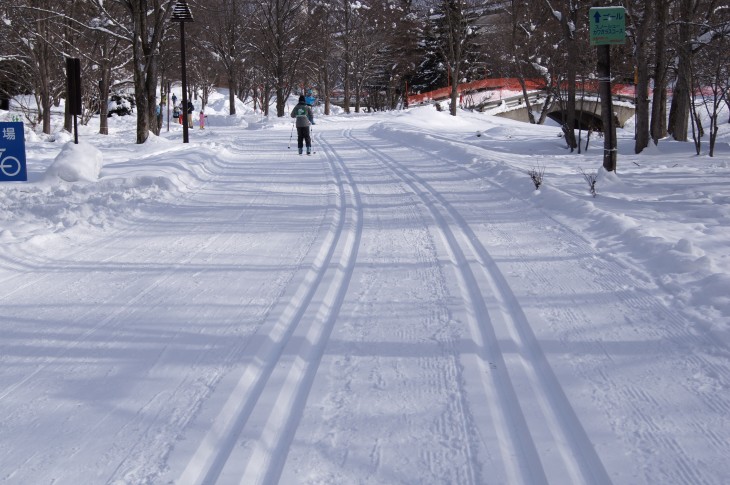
<point x="536" y="174"/>
<point x="121" y="105"/>
<point x="591" y="179"/>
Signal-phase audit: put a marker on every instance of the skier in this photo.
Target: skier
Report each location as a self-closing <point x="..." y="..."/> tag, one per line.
<point x="202" y="120"/>
<point x="176" y="113"/>
<point x="303" y="113"/>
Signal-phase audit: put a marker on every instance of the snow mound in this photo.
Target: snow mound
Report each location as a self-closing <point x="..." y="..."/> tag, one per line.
<point x="75" y="163"/>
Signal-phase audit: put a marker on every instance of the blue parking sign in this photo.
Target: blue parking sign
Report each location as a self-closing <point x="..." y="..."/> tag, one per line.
<point x="12" y="152"/>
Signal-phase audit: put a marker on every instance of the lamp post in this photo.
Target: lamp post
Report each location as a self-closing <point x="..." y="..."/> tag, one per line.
<point x="181" y="13"/>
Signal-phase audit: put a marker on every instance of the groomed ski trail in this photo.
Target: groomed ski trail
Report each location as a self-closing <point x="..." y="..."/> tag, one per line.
<point x="308" y="318"/>
<point x="495" y="314"/>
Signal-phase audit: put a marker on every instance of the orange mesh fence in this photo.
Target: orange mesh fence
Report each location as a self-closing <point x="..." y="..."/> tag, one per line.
<point x="511" y="84"/>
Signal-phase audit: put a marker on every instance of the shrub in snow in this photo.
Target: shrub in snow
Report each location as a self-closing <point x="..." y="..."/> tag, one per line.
<point x="120" y="105"/>
<point x="591" y="179"/>
<point x="536" y="174"/>
<point x="76" y="163"/>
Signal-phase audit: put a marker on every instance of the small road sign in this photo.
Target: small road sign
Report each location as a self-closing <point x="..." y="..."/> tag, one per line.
<point x="608" y="25"/>
<point x="12" y="152"/>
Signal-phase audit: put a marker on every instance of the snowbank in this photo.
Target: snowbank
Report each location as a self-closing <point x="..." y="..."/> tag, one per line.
<point x="80" y="162"/>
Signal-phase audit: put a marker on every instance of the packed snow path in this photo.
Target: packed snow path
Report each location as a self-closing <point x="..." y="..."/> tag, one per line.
<point x="375" y="313"/>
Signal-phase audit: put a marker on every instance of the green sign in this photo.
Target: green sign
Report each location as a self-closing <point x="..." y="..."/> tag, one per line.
<point x="608" y="25"/>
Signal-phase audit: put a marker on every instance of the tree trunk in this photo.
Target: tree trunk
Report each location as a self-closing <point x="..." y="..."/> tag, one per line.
<point x="346" y="80"/>
<point x="326" y="90"/>
<point x="659" y="99"/>
<point x="642" y="77"/>
<point x="280" y="75"/>
<point x="358" y="92"/>
<point x="571" y="74"/>
<point x="280" y="104"/>
<point x="517" y="59"/>
<point x="103" y="97"/>
<point x="44" y="85"/>
<point x="680" y="112"/>
<point x="642" y="107"/>
<point x="232" y="94"/>
<point x="265" y="97"/>
<point x="609" y="126"/>
<point x="528" y="105"/>
<point x="140" y="86"/>
<point x="140" y="99"/>
<point x="454" y="91"/>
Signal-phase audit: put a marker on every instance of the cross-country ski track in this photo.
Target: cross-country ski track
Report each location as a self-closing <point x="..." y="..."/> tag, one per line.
<point x="379" y="312"/>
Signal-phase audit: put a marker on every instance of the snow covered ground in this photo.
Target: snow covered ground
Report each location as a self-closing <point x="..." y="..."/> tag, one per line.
<point x="401" y="307"/>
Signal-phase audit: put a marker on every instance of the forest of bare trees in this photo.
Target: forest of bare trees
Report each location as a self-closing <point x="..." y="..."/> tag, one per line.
<point x="366" y="54"/>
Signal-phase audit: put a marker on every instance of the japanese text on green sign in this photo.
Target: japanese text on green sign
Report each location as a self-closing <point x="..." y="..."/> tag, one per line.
<point x="607" y="25"/>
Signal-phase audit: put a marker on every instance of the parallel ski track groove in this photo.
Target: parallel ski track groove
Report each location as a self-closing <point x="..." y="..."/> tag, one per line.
<point x="511" y="426"/>
<point x="641" y="299"/>
<point x="281" y="426"/>
<point x="231" y="355"/>
<point x="582" y="461"/>
<point x="465" y="419"/>
<point x="216" y="447"/>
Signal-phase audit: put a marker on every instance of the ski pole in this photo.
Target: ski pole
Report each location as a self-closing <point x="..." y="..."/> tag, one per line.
<point x="311" y="137"/>
<point x="291" y="134"/>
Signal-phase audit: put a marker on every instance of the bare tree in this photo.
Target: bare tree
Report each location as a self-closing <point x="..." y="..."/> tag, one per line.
<point x="567" y="13"/>
<point x="108" y="55"/>
<point x="33" y="35"/>
<point x="224" y="35"/>
<point x="143" y="25"/>
<point x="641" y="17"/>
<point x="348" y="24"/>
<point x="712" y="70"/>
<point x="371" y="42"/>
<point x="531" y="54"/>
<point x="323" y="55"/>
<point x="680" y="110"/>
<point x="698" y="26"/>
<point x="454" y="22"/>
<point x="659" y="96"/>
<point x="281" y="43"/>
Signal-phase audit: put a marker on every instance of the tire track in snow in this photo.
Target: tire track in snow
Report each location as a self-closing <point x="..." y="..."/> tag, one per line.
<point x="215" y="451"/>
<point x="504" y="311"/>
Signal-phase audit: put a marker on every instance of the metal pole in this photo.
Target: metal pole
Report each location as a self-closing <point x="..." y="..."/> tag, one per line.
<point x="184" y="83"/>
<point x="169" y="98"/>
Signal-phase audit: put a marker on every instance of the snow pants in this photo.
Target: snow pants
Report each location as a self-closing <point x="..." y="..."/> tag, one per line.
<point x="302" y="136"/>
